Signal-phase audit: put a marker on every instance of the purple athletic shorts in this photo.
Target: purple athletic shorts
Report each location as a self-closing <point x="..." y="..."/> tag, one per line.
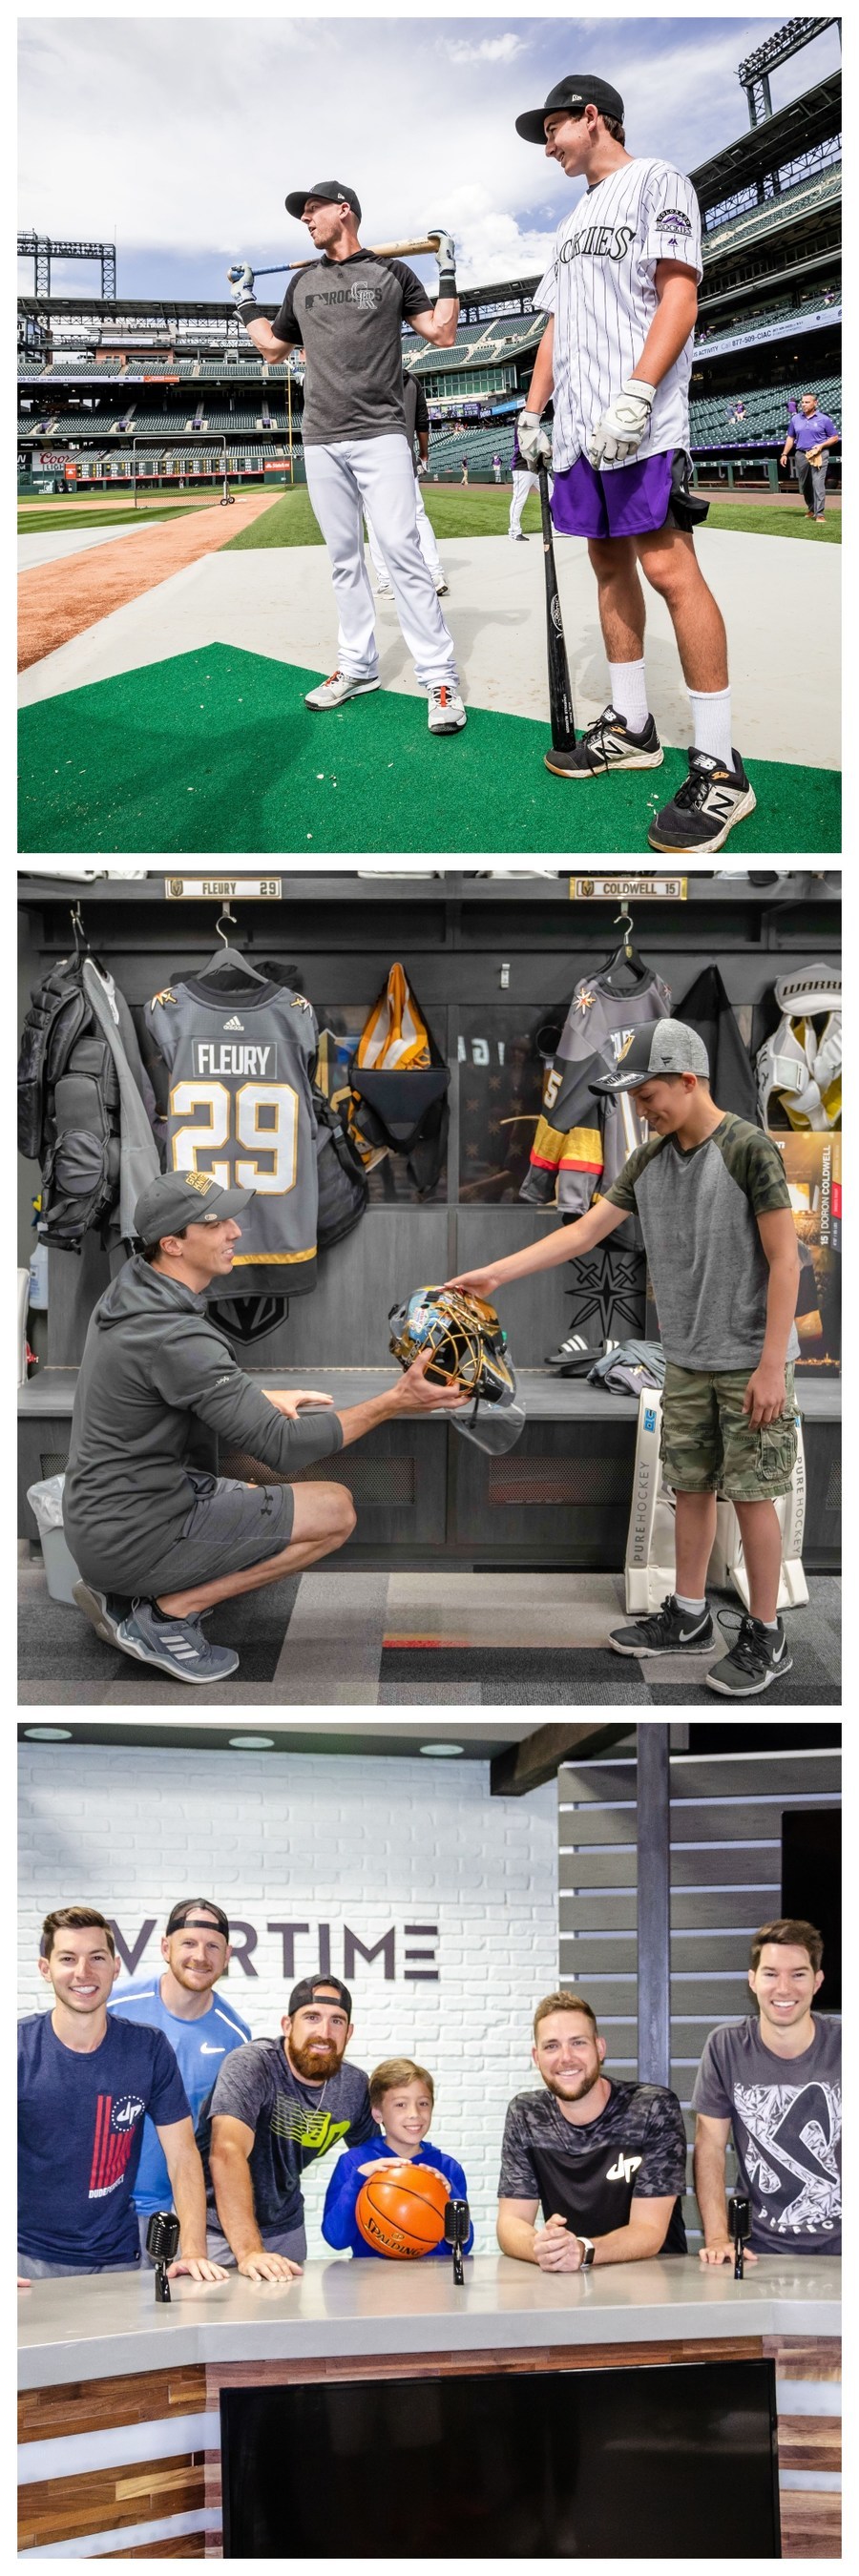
<point x="630" y="501"/>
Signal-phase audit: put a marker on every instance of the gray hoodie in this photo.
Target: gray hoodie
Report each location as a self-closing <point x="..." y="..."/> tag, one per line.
<point x="153" y="1363"/>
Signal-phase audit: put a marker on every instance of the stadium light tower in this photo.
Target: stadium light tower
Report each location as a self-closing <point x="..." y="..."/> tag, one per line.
<point x="754" y="72"/>
<point x="38" y="248"/>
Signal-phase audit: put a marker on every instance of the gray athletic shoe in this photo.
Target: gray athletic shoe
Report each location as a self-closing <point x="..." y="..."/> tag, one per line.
<point x="760" y="1656"/>
<point x="333" y="692"/>
<point x="174" y="1646"/>
<point x="104" y="1610"/>
<point x="445" y="709"/>
<point x="669" y="1631"/>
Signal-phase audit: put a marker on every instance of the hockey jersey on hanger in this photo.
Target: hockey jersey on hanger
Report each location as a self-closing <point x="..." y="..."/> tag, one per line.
<point x="583" y="1139"/>
<point x="240" y="1107"/>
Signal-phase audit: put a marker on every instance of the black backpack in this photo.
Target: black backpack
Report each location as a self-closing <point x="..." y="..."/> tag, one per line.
<point x="68" y="1108"/>
<point x="343" y="1185"/>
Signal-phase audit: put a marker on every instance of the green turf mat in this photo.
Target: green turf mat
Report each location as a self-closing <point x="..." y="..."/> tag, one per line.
<point x="215" y="751"/>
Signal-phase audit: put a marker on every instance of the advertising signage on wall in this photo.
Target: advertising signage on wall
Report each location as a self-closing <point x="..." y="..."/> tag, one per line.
<point x="786" y="327"/>
<point x="405" y="1952"/>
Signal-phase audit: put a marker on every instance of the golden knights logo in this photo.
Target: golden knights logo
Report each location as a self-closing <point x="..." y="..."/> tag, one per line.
<point x="199" y="1181"/>
<point x="166" y="996"/>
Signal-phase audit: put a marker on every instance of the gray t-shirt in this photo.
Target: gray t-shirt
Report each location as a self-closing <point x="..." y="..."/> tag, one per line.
<point x="698" y="1213"/>
<point x="348" y="316"/>
<point x="785" y="2113"/>
<point x="294" y="2124"/>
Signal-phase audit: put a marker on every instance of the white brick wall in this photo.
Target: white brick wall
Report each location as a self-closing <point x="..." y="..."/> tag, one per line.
<point x="368" y="1843"/>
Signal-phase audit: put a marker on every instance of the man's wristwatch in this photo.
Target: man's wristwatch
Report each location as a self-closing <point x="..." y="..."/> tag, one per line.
<point x="588" y="2251"/>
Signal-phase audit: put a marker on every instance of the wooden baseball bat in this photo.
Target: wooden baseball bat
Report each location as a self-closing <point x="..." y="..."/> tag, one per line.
<point x="378" y="250"/>
<point x="560" y="692"/>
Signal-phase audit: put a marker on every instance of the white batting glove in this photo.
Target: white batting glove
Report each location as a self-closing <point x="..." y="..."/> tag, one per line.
<point x="445" y="248"/>
<point x="533" y="441"/>
<point x="241" y="280"/>
<point x="618" y="435"/>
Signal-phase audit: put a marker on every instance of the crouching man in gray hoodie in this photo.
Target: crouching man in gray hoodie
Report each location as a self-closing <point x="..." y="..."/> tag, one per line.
<point x="159" y="1541"/>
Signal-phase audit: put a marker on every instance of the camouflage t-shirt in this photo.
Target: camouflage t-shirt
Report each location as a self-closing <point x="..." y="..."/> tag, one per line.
<point x="698" y="1213"/>
<point x="294" y="2123"/>
<point x="634" y="2150"/>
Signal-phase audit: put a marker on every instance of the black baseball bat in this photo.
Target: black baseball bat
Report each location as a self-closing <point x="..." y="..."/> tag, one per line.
<point x="561" y="707"/>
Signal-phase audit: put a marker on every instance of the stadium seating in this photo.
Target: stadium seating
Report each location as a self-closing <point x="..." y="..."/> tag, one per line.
<point x="766" y="218"/>
<point x="765" y="417"/>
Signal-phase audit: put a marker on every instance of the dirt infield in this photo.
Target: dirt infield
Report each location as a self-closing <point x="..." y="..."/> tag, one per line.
<point x="59" y="600"/>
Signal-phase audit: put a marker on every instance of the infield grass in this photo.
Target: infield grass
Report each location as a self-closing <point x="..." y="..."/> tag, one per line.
<point x="485" y="513"/>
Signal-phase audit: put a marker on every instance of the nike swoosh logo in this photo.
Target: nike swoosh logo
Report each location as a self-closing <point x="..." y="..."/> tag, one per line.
<point x="206" y="2049"/>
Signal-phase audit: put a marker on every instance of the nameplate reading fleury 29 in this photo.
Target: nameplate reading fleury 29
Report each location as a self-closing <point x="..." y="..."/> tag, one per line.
<point x="251" y="889"/>
<point x="644" y="889"/>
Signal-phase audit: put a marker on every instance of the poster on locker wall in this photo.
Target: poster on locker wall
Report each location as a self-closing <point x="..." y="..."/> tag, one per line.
<point x="812" y="1170"/>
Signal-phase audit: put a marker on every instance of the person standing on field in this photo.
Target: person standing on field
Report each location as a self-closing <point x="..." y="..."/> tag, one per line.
<point x="809" y="438"/>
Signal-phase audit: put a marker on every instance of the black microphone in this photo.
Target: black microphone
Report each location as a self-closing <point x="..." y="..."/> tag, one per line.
<point x="457" y="2221"/>
<point x="162" y="2242"/>
<point x="740" y="2218"/>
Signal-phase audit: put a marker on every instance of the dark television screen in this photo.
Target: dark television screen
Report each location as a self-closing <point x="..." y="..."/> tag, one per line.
<point x="811" y="1886"/>
<point x="672" y="2462"/>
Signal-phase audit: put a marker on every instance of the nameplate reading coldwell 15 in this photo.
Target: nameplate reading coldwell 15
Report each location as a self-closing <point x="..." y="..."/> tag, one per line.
<point x="221" y="889"/>
<point x="645" y="889"/>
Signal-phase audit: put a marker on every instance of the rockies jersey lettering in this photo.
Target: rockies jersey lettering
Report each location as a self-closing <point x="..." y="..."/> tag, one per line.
<point x="240" y="1112"/>
<point x="600" y="287"/>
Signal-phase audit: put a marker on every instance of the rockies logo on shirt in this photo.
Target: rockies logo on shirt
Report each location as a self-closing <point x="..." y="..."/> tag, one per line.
<point x="600" y="287"/>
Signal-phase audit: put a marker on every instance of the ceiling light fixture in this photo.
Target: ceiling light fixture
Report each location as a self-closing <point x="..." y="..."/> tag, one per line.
<point x="49" y="1734"/>
<point x="441" y="1752"/>
<point x="251" y="1743"/>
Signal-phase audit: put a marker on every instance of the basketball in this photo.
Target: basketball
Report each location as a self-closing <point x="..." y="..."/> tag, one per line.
<point x="400" y="2210"/>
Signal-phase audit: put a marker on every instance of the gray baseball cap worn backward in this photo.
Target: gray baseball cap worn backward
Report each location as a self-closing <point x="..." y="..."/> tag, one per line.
<point x="665" y="1046"/>
<point x="574" y="93"/>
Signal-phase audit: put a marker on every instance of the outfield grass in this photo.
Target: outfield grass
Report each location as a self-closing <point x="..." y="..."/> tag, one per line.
<point x="485" y="513"/>
<point x="770" y="519"/>
<point x="31" y="522"/>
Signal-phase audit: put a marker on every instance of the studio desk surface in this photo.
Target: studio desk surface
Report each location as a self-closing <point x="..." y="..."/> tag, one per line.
<point x="108" y="2325"/>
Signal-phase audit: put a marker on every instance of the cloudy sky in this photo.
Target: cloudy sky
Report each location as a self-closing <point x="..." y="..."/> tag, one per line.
<point x="179" y="137"/>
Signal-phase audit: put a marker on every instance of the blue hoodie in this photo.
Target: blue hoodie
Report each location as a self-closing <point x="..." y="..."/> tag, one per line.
<point x="339" y="2224"/>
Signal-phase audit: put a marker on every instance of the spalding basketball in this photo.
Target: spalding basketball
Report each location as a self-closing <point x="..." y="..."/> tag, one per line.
<point x="400" y="2210"/>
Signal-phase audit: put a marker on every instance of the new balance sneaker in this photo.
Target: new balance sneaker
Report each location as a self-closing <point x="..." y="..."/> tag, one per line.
<point x="759" y="1657"/>
<point x="104" y="1610"/>
<point x="445" y="709"/>
<point x="711" y="800"/>
<point x="669" y="1631"/>
<point x="608" y="743"/>
<point x="333" y="692"/>
<point x="174" y="1646"/>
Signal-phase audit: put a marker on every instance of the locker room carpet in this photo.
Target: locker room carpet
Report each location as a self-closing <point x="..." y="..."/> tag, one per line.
<point x="213" y="750"/>
<point x="398" y="1640"/>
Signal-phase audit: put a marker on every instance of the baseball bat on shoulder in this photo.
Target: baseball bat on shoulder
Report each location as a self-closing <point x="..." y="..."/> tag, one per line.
<point x="561" y="708"/>
<point x="378" y="250"/>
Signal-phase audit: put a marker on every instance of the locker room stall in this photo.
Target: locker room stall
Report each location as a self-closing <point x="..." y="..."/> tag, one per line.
<point x="491" y="960"/>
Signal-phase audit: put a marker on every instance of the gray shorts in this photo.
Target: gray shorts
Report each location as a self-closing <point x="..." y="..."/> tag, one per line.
<point x="229" y="1527"/>
<point x="31" y="2267"/>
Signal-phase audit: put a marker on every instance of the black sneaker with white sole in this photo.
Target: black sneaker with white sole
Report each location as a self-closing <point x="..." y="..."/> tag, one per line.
<point x="668" y="1631"/>
<point x="759" y="1657"/>
<point x="711" y="800"/>
<point x="608" y="743"/>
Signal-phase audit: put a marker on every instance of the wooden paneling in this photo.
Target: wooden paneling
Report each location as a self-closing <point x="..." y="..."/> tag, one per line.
<point x="443" y="2365"/>
<point x="85" y="2406"/>
<point x="105" y="2499"/>
<point x="804" y="2356"/>
<point x="716" y="1912"/>
<point x="810" y="2442"/>
<point x="744" y="1866"/>
<point x="810" y="2525"/>
<point x="188" y="2544"/>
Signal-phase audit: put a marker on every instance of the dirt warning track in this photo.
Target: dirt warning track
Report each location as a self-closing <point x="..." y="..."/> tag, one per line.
<point x="61" y="599"/>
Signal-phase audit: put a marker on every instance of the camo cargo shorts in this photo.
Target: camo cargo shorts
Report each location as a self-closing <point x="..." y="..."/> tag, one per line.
<point x="708" y="1446"/>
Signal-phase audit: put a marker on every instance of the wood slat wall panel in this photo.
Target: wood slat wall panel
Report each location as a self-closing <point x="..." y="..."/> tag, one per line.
<point x="741" y="1866"/>
<point x="804" y="2357"/>
<point x="84" y="2406"/>
<point x="716" y="1911"/>
<point x="106" y="2499"/>
<point x="435" y="2365"/>
<point x="753" y="1819"/>
<point x="729" y="1775"/>
<point x="810" y="2442"/>
<point x="810" y="2525"/>
<point x="581" y="1953"/>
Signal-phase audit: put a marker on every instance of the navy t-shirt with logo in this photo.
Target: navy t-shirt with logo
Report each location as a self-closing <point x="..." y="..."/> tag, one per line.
<point x="80" y="2131"/>
<point x="590" y="2175"/>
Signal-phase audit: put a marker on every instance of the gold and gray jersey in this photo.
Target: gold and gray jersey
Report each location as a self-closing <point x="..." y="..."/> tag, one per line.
<point x="698" y="1213"/>
<point x="240" y="1107"/>
<point x="584" y="1139"/>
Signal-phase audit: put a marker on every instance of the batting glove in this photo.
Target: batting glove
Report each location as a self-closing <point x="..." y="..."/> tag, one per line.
<point x="241" y="280"/>
<point x="533" y="441"/>
<point x="445" y="251"/>
<point x="618" y="435"/>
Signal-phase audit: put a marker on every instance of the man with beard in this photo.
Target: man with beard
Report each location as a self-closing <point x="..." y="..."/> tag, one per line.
<point x="201" y="2027"/>
<point x="276" y="2105"/>
<point x="606" y="2162"/>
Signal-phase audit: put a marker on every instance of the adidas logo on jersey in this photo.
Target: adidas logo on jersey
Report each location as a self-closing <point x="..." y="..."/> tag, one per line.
<point x="234" y="1024"/>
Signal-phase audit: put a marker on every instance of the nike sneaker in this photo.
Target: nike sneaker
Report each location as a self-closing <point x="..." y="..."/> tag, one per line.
<point x="759" y="1657"/>
<point x="669" y="1631"/>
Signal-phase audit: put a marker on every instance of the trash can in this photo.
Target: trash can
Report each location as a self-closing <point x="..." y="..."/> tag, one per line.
<point x="46" y="1505"/>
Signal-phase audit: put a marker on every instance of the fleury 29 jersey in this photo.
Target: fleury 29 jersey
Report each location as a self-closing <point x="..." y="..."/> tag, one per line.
<point x="584" y="1138"/>
<point x="240" y="1108"/>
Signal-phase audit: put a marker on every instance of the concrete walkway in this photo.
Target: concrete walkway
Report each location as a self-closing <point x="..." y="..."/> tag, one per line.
<point x="279" y="602"/>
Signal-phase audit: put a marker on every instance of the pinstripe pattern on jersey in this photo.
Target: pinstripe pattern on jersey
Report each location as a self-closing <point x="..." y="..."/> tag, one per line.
<point x="599" y="286"/>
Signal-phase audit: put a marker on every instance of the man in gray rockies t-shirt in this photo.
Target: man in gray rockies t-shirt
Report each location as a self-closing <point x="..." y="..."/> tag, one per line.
<point x="346" y="309"/>
<point x="275" y="2107"/>
<point x="714" y="1207"/>
<point x="775" y="2081"/>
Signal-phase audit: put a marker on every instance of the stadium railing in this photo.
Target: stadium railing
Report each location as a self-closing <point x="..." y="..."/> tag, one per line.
<point x="774" y="211"/>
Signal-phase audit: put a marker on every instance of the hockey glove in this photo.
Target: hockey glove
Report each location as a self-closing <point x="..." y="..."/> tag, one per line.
<point x="533" y="441"/>
<point x="618" y="435"/>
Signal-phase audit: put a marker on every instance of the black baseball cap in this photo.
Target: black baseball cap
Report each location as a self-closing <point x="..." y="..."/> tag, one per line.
<point x="177" y="1199"/>
<point x="308" y="1988"/>
<point x="189" y="1912"/>
<point x="576" y="91"/>
<point x="333" y="190"/>
<point x="667" y="1046"/>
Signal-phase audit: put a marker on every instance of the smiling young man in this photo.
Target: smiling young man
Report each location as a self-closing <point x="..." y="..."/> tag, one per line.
<point x="159" y="1541"/>
<point x="86" y="2081"/>
<point x="774" y="2082"/>
<point x="621" y="292"/>
<point x="275" y="2107"/>
<point x="201" y="2026"/>
<point x="606" y="2162"/>
<point x="714" y="1207"/>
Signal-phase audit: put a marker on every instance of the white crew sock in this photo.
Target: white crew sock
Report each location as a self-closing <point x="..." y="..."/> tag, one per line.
<point x="691" y="1606"/>
<point x="711" y="723"/>
<point x="629" y="693"/>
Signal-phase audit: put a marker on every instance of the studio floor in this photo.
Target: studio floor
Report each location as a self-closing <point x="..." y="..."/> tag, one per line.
<point x="444" y="1639"/>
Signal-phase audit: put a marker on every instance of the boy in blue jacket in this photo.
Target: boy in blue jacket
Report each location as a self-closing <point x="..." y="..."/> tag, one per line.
<point x="401" y="2100"/>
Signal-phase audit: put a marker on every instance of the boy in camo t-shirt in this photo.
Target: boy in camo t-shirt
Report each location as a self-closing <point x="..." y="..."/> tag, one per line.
<point x="714" y="1208"/>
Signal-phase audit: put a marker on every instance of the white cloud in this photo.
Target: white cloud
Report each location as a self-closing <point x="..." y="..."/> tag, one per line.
<point x="492" y="49"/>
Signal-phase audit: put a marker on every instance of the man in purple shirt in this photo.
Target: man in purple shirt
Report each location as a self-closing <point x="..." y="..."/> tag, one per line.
<point x="810" y="434"/>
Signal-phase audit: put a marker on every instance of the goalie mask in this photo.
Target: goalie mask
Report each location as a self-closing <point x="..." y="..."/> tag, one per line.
<point x="469" y="1350"/>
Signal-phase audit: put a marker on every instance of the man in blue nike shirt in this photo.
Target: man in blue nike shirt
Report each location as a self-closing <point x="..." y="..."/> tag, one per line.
<point x="201" y="2026"/>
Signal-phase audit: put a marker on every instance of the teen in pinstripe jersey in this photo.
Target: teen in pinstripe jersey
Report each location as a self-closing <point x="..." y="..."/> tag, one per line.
<point x="616" y="356"/>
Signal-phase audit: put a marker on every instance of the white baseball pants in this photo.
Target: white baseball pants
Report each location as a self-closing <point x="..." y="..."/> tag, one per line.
<point x="377" y="475"/>
<point x="523" y="483"/>
<point x="426" y="540"/>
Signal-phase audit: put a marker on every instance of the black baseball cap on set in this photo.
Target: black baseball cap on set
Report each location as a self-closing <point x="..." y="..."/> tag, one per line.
<point x="576" y="91"/>
<point x="190" y="1912"/>
<point x="333" y="191"/>
<point x="326" y="1988"/>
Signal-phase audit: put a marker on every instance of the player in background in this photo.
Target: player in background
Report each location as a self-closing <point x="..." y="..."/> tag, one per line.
<point x="346" y="310"/>
<point x="525" y="480"/>
<point x="616" y="355"/>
